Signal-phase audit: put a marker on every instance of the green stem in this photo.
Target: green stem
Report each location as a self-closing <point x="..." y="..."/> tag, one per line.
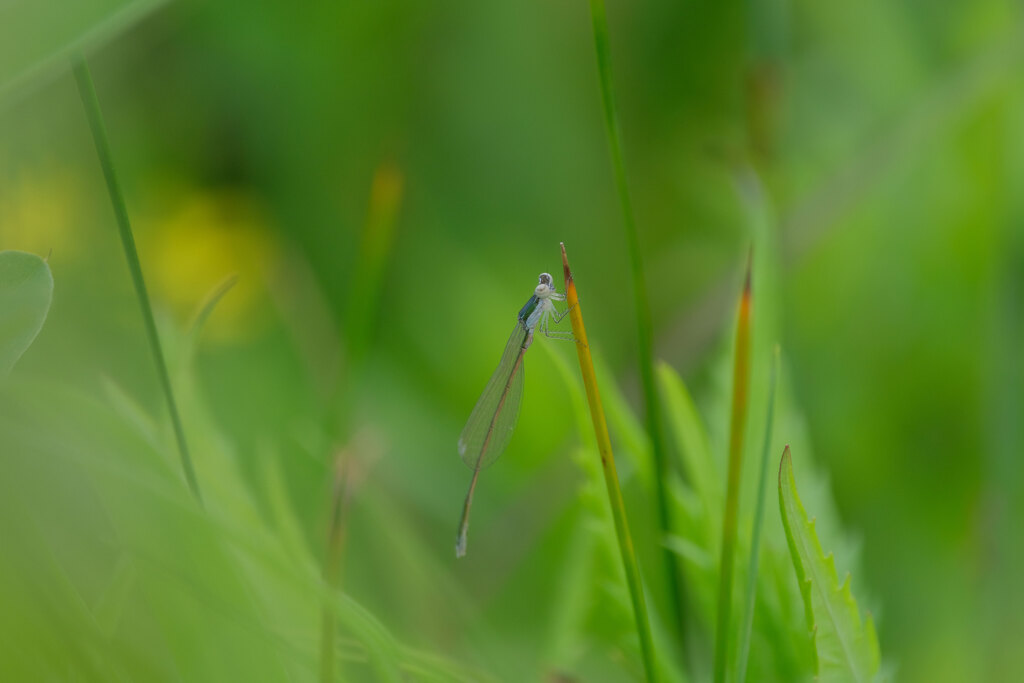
<point x="652" y="400"/>
<point x="740" y="390"/>
<point x="87" y="92"/>
<point x="332" y="562"/>
<point x="755" y="538"/>
<point x="611" y="477"/>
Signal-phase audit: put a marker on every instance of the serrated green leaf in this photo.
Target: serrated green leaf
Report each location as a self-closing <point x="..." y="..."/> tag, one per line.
<point x="26" y="288"/>
<point x="846" y="647"/>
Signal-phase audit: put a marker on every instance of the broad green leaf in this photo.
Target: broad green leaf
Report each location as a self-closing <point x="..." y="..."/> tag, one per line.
<point x="846" y="647"/>
<point x="39" y="36"/>
<point x="26" y="287"/>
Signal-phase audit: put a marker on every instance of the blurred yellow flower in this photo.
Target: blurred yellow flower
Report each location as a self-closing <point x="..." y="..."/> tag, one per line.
<point x="39" y="209"/>
<point x="209" y="236"/>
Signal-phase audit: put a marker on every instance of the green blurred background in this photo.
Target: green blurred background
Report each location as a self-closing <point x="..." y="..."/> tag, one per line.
<point x="387" y="179"/>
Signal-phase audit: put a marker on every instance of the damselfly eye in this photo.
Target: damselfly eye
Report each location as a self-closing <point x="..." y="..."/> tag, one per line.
<point x="544" y="279"/>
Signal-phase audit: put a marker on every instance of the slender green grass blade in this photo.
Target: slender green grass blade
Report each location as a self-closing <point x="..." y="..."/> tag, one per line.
<point x="332" y="563"/>
<point x="730" y="519"/>
<point x="99" y="135"/>
<point x="755" y="539"/>
<point x="652" y="400"/>
<point x="350" y="463"/>
<point x="374" y="251"/>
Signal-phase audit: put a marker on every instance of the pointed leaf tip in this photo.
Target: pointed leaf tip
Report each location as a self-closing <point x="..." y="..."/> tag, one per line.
<point x="750" y="268"/>
<point x="846" y="647"/>
<point x="566" y="271"/>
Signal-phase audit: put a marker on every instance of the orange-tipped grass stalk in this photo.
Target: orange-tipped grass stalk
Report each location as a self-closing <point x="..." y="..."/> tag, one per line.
<point x="611" y="477"/>
<point x="740" y="391"/>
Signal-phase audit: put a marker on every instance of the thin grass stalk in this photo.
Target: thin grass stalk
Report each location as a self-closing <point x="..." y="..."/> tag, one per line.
<point x="370" y="267"/>
<point x="755" y="536"/>
<point x="652" y="399"/>
<point x="367" y="281"/>
<point x="375" y="249"/>
<point x="90" y="102"/>
<point x="740" y="391"/>
<point x="332" y="563"/>
<point x="611" y="477"/>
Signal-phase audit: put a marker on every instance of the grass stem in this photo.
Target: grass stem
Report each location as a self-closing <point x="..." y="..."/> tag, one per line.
<point x="755" y="536"/>
<point x="652" y="400"/>
<point x="90" y="102"/>
<point x="332" y="562"/>
<point x="738" y="422"/>
<point x="611" y="477"/>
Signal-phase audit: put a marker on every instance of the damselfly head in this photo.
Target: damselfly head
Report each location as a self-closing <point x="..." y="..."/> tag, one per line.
<point x="544" y="286"/>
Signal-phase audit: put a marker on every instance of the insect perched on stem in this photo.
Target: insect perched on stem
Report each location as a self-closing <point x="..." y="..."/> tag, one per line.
<point x="492" y="421"/>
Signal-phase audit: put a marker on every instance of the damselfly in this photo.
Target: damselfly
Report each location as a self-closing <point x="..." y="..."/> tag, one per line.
<point x="490" y="425"/>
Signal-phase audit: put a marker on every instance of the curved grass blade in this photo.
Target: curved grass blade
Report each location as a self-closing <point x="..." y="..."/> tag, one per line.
<point x="26" y="289"/>
<point x="209" y="303"/>
<point x="846" y="648"/>
<point x="490" y="425"/>
<point x="611" y="477"/>
<point x="190" y="339"/>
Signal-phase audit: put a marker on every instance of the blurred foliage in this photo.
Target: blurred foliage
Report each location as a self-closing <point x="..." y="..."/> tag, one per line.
<point x="40" y="36"/>
<point x="386" y="180"/>
<point x="26" y="290"/>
